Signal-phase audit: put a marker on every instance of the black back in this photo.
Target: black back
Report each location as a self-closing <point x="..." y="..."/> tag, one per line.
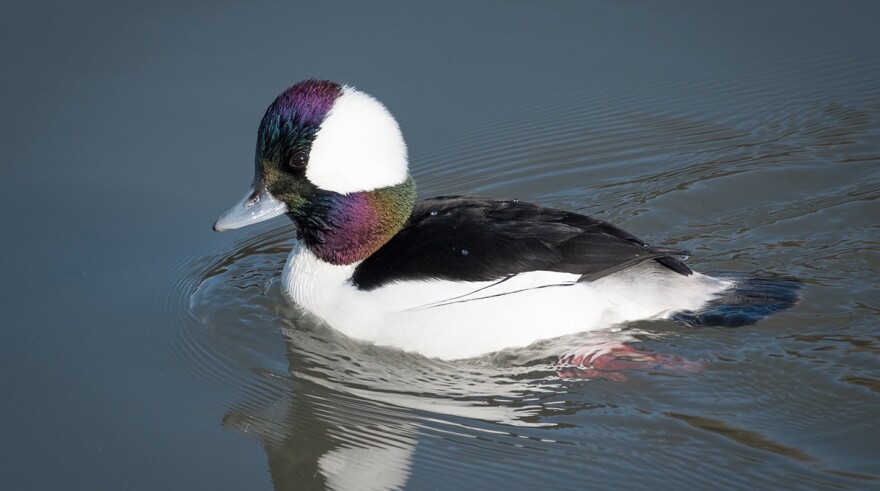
<point x="482" y="239"/>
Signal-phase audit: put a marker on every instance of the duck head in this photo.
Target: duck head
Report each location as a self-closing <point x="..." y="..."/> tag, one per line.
<point x="333" y="159"/>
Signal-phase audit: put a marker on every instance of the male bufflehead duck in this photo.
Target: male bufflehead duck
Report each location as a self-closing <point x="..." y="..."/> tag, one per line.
<point x="455" y="276"/>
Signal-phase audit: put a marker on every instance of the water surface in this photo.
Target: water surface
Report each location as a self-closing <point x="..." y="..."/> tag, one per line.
<point x="142" y="351"/>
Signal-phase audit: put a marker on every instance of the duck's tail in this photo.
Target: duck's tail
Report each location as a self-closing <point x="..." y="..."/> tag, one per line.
<point x="750" y="299"/>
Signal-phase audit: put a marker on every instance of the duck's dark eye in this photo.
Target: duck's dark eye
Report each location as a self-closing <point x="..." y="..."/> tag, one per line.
<point x="298" y="161"/>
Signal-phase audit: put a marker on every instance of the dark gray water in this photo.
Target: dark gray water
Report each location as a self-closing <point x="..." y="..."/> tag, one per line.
<point x="142" y="351"/>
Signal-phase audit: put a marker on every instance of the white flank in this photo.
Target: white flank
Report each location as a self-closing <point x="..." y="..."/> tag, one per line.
<point x="358" y="148"/>
<point x="452" y="320"/>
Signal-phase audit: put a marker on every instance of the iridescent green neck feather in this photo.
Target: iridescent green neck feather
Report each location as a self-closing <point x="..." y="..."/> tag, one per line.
<point x="346" y="228"/>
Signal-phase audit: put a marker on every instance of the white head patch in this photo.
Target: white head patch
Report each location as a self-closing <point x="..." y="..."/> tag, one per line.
<point x="359" y="147"/>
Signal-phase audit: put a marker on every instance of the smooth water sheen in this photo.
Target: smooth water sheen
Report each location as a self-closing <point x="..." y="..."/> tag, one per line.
<point x="143" y="351"/>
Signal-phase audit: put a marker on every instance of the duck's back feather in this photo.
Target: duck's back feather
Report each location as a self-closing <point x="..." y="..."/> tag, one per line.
<point x="482" y="239"/>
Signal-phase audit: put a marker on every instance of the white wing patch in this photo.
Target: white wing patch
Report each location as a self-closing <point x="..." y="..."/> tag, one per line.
<point x="509" y="285"/>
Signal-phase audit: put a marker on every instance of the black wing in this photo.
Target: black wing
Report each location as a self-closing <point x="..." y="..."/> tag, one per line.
<point x="482" y="239"/>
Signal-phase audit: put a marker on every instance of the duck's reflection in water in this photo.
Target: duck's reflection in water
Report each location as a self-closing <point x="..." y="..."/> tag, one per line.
<point x="318" y="436"/>
<point x="350" y="416"/>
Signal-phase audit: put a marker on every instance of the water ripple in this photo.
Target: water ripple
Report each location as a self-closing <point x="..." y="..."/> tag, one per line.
<point x="328" y="409"/>
<point x="753" y="177"/>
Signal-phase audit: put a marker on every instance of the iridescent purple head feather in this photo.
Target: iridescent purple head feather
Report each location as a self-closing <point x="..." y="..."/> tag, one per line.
<point x="306" y="159"/>
<point x="295" y="116"/>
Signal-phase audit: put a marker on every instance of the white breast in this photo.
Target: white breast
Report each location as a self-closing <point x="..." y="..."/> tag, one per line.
<point x="452" y="320"/>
